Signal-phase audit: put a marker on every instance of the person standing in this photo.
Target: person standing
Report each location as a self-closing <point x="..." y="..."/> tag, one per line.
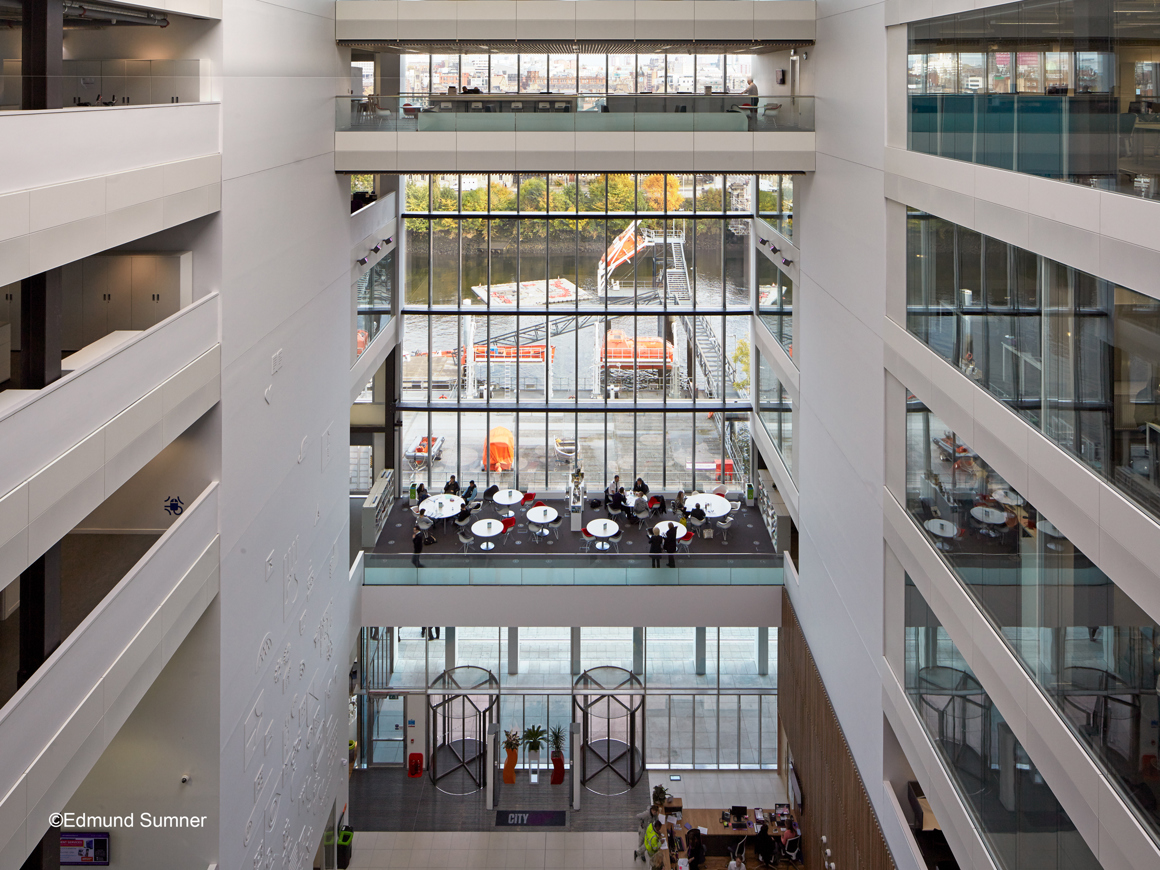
<point x="655" y="544"/>
<point x="750" y="88"/>
<point x="671" y="544"/>
<point x="612" y="490"/>
<point x="417" y="545"/>
<point x="652" y="843"/>
<point x="644" y="821"/>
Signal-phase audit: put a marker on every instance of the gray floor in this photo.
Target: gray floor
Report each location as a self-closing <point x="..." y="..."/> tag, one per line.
<point x="91" y="565"/>
<point x="386" y="799"/>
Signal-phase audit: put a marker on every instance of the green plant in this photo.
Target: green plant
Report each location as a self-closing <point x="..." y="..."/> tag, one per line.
<point x="534" y="737"/>
<point x="556" y="738"/>
<point x="511" y="740"/>
<point x="660" y="795"/>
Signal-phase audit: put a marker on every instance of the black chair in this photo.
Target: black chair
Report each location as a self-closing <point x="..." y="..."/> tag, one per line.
<point x="793" y="850"/>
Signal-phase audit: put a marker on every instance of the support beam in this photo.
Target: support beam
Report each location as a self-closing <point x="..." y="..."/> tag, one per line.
<point x="41" y="306"/>
<point x="448" y="646"/>
<point x="699" y="652"/>
<point x="762" y="651"/>
<point x="39" y="613"/>
<point x="513" y="651"/>
<point x="638" y="651"/>
<point x="575" y="651"/>
<point x="42" y="54"/>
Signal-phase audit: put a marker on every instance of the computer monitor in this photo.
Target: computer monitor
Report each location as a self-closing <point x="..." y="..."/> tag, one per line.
<point x="739" y="812"/>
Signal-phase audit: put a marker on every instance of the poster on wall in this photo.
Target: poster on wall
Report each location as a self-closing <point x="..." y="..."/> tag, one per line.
<point x="84" y="848"/>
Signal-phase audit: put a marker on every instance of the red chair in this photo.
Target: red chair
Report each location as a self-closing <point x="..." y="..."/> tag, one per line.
<point x="539" y="503"/>
<point x="509" y="523"/>
<point x="528" y="499"/>
<point x="588" y="538"/>
<point x="686" y="540"/>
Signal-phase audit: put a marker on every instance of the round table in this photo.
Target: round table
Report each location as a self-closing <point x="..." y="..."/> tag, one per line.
<point x="1005" y="496"/>
<point x="713" y="505"/>
<point x="440" y="507"/>
<point x="1046" y="527"/>
<point x="942" y="528"/>
<point x="602" y="529"/>
<point x="486" y="529"/>
<point x="542" y="516"/>
<point x="664" y="525"/>
<point x="989" y="515"/>
<point x="508" y="497"/>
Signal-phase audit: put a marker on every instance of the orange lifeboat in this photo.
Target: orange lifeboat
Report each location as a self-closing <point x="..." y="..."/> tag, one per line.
<point x="620" y="351"/>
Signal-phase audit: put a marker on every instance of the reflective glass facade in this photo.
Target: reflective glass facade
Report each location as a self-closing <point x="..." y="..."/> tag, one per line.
<point x="1092" y="651"/>
<point x="1073" y="354"/>
<point x="775" y="202"/>
<point x="1061" y="89"/>
<point x="374" y="298"/>
<point x="775" y="410"/>
<point x="775" y="302"/>
<point x="1013" y="808"/>
<point x="609" y="313"/>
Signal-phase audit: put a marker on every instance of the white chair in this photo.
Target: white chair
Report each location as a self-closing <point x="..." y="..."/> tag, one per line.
<point x="463" y="523"/>
<point x="720" y="489"/>
<point x="769" y="113"/>
<point x="616" y="539"/>
<point x="734" y="506"/>
<point x="534" y="530"/>
<point x="555" y="525"/>
<point x="725" y="525"/>
<point x="467" y="539"/>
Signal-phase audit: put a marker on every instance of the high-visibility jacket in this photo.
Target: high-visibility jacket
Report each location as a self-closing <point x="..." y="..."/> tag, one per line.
<point x="652" y="840"/>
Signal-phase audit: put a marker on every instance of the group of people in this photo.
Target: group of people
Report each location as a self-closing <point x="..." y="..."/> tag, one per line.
<point x="767" y="848"/>
<point x="419" y="535"/>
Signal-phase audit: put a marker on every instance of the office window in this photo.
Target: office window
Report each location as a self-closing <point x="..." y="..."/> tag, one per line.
<point x="1015" y="811"/>
<point x="504" y="74"/>
<point x="1074" y="355"/>
<point x="533" y="73"/>
<point x="1091" y="650"/>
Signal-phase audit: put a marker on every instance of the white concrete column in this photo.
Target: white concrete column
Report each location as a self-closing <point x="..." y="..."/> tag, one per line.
<point x="763" y="651"/>
<point x="513" y="650"/>
<point x="699" y="654"/>
<point x="575" y="651"/>
<point x="638" y="651"/>
<point x="449" y="646"/>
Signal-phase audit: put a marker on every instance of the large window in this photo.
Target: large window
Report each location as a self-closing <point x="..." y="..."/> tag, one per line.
<point x="374" y="298"/>
<point x="1093" y="652"/>
<point x="775" y="409"/>
<point x="1076" y="356"/>
<point x="1041" y="88"/>
<point x="1016" y="812"/>
<point x="611" y="311"/>
<point x="775" y="302"/>
<point x="425" y="74"/>
<point x="775" y="202"/>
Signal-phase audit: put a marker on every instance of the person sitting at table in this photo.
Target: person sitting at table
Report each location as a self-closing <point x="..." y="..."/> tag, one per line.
<point x="470" y="492"/>
<point x="764" y="847"/>
<point x="679" y="503"/>
<point x="612" y="490"/>
<point x="464" y="513"/>
<point x="421" y="493"/>
<point x="789" y="832"/>
<point x="618" y="499"/>
<point x="452" y="487"/>
<point x="641" y="504"/>
<point x="640" y="486"/>
<point x="694" y="849"/>
<point x="697" y="513"/>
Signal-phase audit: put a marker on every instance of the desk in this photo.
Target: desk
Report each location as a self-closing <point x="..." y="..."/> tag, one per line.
<point x="719" y="840"/>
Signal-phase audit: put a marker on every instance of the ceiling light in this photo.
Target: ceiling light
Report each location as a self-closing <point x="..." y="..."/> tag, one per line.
<point x="786" y="262"/>
<point x="362" y="261"/>
<point x="377" y="248"/>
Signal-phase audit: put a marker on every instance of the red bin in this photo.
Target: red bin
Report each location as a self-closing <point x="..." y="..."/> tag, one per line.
<point x="415" y="765"/>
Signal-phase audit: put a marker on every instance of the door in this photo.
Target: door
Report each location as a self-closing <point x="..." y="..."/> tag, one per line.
<point x="94" y="299"/>
<point x="387" y="732"/>
<point x="10" y="311"/>
<point x="120" y="293"/>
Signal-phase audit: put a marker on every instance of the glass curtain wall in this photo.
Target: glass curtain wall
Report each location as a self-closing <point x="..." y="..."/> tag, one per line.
<point x="374" y="296"/>
<point x="612" y="311"/>
<point x="1062" y="89"/>
<point x="1014" y="809"/>
<point x="775" y="302"/>
<point x="1093" y="652"/>
<point x="775" y="409"/>
<point x="1075" y="355"/>
<point x="711" y="694"/>
<point x="430" y="74"/>
<point x="775" y="202"/>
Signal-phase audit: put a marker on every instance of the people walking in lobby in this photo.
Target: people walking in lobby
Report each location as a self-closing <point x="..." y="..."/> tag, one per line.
<point x="655" y="544"/>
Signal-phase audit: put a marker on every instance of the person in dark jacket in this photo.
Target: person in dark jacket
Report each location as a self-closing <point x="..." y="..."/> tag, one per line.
<point x="417" y="544"/>
<point x="671" y="545"/>
<point x="694" y="850"/>
<point x="655" y="545"/>
<point x="421" y="493"/>
<point x="764" y="847"/>
<point x="452" y="487"/>
<point x="640" y="486"/>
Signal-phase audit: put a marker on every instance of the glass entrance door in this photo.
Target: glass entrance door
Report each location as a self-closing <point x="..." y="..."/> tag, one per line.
<point x="386" y="730"/>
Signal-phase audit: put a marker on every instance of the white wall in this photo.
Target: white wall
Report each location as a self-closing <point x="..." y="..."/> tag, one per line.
<point x="171" y="733"/>
<point x="285" y="287"/>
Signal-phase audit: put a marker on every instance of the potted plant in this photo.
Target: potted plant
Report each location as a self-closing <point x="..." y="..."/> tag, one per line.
<point x="511" y="744"/>
<point x="556" y="738"/>
<point x="660" y="796"/>
<point x="534" y="739"/>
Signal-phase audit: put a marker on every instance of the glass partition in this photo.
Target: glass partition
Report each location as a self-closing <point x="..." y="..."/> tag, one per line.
<point x="1014" y="810"/>
<point x="775" y="302"/>
<point x="374" y="298"/>
<point x="1060" y="90"/>
<point x="1093" y="652"/>
<point x="1074" y="355"/>
<point x="775" y="409"/>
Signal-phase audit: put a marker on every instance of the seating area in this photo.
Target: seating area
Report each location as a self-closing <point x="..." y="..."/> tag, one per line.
<point x="544" y="525"/>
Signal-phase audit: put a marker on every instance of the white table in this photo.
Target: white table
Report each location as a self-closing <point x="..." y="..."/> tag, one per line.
<point x="1005" y="496"/>
<point x="486" y="529"/>
<point x="989" y="515"/>
<point x="942" y="528"/>
<point x="713" y="505"/>
<point x="440" y="507"/>
<point x="1046" y="527"/>
<point x="664" y="525"/>
<point x="602" y="529"/>
<point x="508" y="497"/>
<point x="542" y="515"/>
